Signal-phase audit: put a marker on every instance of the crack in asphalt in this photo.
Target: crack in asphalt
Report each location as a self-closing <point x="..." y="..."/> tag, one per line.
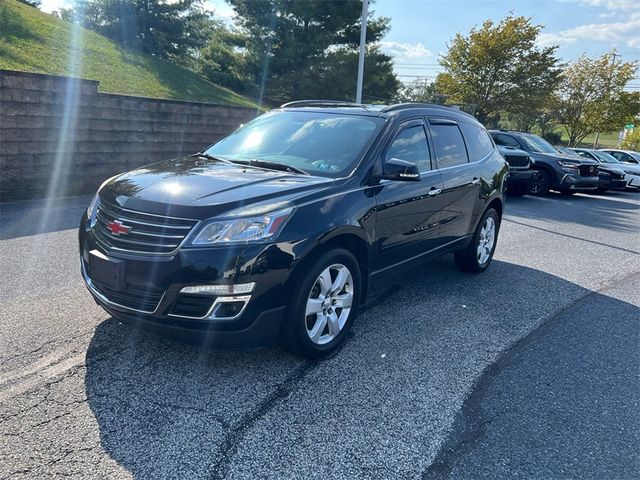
<point x="233" y="439"/>
<point x="469" y="428"/>
<point x="289" y="385"/>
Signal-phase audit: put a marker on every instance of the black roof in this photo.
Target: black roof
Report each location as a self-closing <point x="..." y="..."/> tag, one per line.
<point x="374" y="109"/>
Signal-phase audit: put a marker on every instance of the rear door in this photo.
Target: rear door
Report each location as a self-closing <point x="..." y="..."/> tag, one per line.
<point x="461" y="179"/>
<point x="407" y="212"/>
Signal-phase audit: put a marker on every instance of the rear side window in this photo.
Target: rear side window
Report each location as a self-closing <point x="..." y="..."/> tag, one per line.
<point x="479" y="143"/>
<point x="449" y="145"/>
<point x="411" y="145"/>
<point x="507" y="141"/>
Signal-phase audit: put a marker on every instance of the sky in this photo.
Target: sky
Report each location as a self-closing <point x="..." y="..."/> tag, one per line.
<point x="421" y="29"/>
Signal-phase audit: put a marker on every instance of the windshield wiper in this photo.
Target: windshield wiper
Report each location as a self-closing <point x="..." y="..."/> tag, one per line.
<point x="210" y="157"/>
<point x="271" y="165"/>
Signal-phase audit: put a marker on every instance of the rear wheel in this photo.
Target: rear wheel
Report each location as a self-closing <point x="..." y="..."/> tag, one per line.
<point x="477" y="256"/>
<point x="323" y="305"/>
<point x="541" y="183"/>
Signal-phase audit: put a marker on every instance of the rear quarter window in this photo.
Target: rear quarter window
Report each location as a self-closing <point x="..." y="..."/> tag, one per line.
<point x="479" y="143"/>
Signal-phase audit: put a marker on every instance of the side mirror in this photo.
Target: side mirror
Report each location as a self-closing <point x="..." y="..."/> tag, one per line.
<point x="401" y="170"/>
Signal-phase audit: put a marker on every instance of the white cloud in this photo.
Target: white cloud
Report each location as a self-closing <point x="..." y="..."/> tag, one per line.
<point x="613" y="4"/>
<point x="400" y="50"/>
<point x="622" y="32"/>
<point x="54" y="5"/>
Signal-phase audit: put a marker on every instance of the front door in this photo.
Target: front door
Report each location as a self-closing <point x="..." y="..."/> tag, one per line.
<point x="407" y="212"/>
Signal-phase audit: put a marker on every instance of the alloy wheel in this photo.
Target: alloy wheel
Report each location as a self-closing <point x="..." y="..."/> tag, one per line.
<point x="329" y="304"/>
<point x="486" y="240"/>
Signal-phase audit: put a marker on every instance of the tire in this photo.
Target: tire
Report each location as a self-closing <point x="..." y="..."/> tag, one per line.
<point x="470" y="259"/>
<point x="518" y="190"/>
<point x="321" y="333"/>
<point x="540" y="183"/>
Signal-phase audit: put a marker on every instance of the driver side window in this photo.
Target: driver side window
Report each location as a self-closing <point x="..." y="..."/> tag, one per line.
<point x="411" y="145"/>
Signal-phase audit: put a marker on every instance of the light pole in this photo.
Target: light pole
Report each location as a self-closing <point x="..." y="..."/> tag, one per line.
<point x="363" y="45"/>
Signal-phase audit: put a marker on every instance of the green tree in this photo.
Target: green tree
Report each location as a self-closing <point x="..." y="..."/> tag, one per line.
<point x="498" y="68"/>
<point x="632" y="141"/>
<point x="591" y="97"/>
<point x="224" y="59"/>
<point x="422" y="91"/>
<point x="160" y="27"/>
<point x="294" y="47"/>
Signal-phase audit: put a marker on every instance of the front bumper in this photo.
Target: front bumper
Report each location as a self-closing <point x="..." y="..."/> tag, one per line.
<point x="520" y="177"/>
<point x="612" y="184"/>
<point x="633" y="181"/>
<point x="575" y="182"/>
<point x="151" y="295"/>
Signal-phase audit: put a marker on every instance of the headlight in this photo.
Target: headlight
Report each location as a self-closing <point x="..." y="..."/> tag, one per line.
<point x="243" y="229"/>
<point x="566" y="164"/>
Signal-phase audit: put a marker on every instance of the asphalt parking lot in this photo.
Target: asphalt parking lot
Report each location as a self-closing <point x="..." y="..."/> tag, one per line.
<point x="529" y="370"/>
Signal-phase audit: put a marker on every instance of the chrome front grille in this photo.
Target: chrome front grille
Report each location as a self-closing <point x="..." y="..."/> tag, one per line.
<point x="588" y="170"/>
<point x="517" y="161"/>
<point x="120" y="229"/>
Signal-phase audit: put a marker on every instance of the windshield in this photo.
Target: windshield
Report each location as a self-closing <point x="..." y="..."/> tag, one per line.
<point x="319" y="143"/>
<point x="538" y="144"/>
<point x="604" y="157"/>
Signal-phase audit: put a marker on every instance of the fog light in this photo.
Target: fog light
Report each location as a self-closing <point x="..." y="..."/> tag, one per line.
<point x="219" y="289"/>
<point x="229" y="310"/>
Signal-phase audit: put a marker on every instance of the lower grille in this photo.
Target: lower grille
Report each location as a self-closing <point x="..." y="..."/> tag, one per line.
<point x="195" y="306"/>
<point x="517" y="161"/>
<point x="136" y="298"/>
<point x="588" y="170"/>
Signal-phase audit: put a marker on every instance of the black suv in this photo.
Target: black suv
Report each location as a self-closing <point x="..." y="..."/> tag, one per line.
<point x="555" y="170"/>
<point x="521" y="175"/>
<point x="276" y="231"/>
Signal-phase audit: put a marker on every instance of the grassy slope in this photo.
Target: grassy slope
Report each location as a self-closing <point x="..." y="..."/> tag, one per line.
<point x="33" y="41"/>
<point x="606" y="139"/>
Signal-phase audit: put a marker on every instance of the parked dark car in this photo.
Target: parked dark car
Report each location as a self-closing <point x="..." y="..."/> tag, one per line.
<point x="520" y="172"/>
<point x="277" y="230"/>
<point x="555" y="170"/>
<point x="611" y="176"/>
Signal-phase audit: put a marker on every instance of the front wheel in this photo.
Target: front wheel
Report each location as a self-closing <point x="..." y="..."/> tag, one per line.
<point x="541" y="183"/>
<point x="477" y="256"/>
<point x="323" y="305"/>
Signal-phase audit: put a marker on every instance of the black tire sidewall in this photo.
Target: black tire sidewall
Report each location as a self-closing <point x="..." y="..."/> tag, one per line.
<point x="544" y="181"/>
<point x="295" y="335"/>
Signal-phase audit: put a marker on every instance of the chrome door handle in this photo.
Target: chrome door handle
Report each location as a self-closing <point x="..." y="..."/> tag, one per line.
<point x="475" y="181"/>
<point x="434" y="191"/>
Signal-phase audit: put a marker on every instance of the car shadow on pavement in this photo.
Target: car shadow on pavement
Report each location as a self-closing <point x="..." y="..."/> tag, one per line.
<point x="168" y="410"/>
<point x="614" y="210"/>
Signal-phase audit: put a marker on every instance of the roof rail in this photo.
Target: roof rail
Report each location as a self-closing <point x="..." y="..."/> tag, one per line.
<point x="402" y="106"/>
<point x="322" y="103"/>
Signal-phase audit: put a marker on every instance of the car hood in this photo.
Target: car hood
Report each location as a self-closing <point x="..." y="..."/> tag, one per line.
<point x="628" y="167"/>
<point x="564" y="158"/>
<point x="198" y="187"/>
<point x="611" y="168"/>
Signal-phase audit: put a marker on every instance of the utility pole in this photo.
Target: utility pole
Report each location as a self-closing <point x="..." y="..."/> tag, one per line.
<point x="613" y="64"/>
<point x="363" y="45"/>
